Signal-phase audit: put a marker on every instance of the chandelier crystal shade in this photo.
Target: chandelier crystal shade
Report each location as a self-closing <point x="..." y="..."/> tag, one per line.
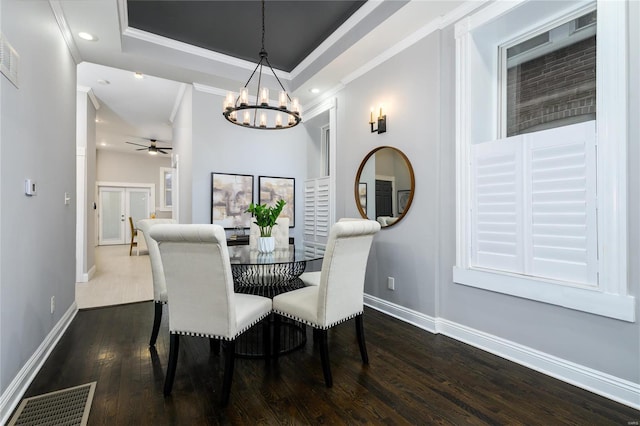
<point x="262" y="113"/>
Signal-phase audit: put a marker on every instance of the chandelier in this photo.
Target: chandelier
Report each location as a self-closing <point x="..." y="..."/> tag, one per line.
<point x="261" y="114"/>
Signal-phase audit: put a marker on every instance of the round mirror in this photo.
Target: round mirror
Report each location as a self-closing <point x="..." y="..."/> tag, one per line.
<point x="384" y="186"/>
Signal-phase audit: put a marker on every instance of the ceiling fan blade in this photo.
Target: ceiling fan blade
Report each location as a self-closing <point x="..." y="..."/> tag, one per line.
<point x="159" y="147"/>
<point x="131" y="143"/>
<point x="160" y="150"/>
<point x="142" y="149"/>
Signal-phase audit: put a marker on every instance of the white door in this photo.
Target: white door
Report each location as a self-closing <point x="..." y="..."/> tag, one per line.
<point x="112" y="215"/>
<point x="116" y="205"/>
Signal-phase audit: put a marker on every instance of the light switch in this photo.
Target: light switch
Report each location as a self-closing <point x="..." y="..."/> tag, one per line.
<point x="30" y="187"/>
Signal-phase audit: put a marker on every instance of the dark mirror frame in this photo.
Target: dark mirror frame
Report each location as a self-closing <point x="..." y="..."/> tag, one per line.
<point x="357" y="182"/>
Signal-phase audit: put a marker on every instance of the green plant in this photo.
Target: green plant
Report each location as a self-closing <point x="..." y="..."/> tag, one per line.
<point x="266" y="216"/>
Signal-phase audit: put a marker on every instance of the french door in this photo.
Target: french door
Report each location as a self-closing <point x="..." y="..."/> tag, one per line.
<point x="116" y="205"/>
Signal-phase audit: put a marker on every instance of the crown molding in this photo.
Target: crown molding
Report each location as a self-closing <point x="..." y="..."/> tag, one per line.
<point x="65" y="30"/>
<point x="347" y="26"/>
<point x="89" y="91"/>
<point x="431" y="27"/>
<point x="195" y="51"/>
<point x="210" y="89"/>
<point x="181" y="91"/>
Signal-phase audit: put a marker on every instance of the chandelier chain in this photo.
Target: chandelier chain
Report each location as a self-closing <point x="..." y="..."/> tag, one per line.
<point x="263" y="25"/>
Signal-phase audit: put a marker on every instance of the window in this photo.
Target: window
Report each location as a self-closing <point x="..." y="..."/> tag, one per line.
<point x="166" y="186"/>
<point x="325" y="154"/>
<point x="528" y="150"/>
<point x="549" y="79"/>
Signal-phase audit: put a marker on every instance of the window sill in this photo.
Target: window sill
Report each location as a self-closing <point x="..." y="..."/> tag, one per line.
<point x="621" y="307"/>
<point x="164" y="209"/>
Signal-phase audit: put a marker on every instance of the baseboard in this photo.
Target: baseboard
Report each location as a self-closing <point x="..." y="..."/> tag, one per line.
<point x="86" y="277"/>
<point x="15" y="391"/>
<point x="418" y="319"/>
<point x="614" y="388"/>
<point x="608" y="386"/>
<point x="92" y="272"/>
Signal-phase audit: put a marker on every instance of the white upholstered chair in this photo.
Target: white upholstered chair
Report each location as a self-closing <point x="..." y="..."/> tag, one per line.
<point x="340" y="290"/>
<point x="202" y="303"/>
<point x="313" y="277"/>
<point x="280" y="233"/>
<point x="157" y="274"/>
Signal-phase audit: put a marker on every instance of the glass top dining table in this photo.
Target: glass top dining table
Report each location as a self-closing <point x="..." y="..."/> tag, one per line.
<point x="269" y="274"/>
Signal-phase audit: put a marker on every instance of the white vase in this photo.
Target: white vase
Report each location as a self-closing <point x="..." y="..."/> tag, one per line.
<point x="266" y="244"/>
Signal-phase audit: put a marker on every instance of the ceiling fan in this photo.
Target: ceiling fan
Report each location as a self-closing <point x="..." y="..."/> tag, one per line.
<point x="153" y="149"/>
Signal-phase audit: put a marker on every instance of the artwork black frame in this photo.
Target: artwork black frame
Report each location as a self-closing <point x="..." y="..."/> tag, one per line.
<point x="279" y="187"/>
<point x="403" y="199"/>
<point x="231" y="195"/>
<point x="362" y="193"/>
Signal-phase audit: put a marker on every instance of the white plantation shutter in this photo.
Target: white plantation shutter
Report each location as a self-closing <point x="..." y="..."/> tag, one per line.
<point x="309" y="209"/>
<point x="497" y="205"/>
<point x="322" y="209"/>
<point x="534" y="204"/>
<point x="561" y="186"/>
<point x="317" y="207"/>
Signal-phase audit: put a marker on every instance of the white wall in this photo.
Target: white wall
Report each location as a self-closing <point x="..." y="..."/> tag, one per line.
<point x="37" y="249"/>
<point x="314" y="132"/>
<point x="85" y="185"/>
<point x="418" y="89"/>
<point x="115" y="166"/>
<point x="221" y="147"/>
<point x="182" y="135"/>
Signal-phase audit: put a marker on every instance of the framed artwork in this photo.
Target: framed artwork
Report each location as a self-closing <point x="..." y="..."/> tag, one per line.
<point x="230" y="198"/>
<point x="271" y="189"/>
<point x="403" y="199"/>
<point x="362" y="195"/>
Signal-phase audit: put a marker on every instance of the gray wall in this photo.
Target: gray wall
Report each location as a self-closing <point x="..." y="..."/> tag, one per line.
<point x="408" y="86"/>
<point x="221" y="147"/>
<point x="37" y="141"/>
<point x="418" y="88"/>
<point x="604" y="344"/>
<point x="112" y="166"/>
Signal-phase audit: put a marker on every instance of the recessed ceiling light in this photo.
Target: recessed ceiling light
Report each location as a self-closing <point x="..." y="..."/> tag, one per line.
<point x="97" y="120"/>
<point x="87" y="36"/>
<point x="103" y="144"/>
<point x="139" y="75"/>
<point x="103" y="81"/>
<point x="315" y="90"/>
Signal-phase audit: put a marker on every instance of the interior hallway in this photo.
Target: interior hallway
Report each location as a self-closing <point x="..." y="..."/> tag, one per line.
<point x="119" y="278"/>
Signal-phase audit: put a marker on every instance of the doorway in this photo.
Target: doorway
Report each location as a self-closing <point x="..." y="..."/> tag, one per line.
<point x="384" y="198"/>
<point x="116" y="205"/>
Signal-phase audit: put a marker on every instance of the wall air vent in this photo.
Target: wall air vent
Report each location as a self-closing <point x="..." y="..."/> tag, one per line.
<point x="9" y="60"/>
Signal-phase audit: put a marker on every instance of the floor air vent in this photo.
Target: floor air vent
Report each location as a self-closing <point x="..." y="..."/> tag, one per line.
<point x="64" y="407"/>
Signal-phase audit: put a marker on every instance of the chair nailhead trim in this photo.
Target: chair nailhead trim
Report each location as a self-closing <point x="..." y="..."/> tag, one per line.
<point x="321" y="327"/>
<point x="213" y="336"/>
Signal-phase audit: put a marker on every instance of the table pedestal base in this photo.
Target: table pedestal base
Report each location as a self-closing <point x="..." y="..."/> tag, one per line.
<point x="293" y="334"/>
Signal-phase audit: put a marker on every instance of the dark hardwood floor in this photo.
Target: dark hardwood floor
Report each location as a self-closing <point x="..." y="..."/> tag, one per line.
<point x="414" y="377"/>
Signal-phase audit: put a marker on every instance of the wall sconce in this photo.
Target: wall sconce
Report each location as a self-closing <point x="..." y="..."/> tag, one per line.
<point x="382" y="122"/>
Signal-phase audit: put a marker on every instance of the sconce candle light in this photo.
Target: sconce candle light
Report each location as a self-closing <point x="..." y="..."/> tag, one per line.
<point x="382" y="122"/>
